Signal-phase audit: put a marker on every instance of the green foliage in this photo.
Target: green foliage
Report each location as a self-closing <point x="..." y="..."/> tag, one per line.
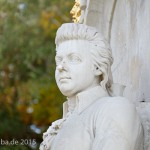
<point x="10" y="121"/>
<point x="42" y="101"/>
<point x="28" y="92"/>
<point x="16" y="147"/>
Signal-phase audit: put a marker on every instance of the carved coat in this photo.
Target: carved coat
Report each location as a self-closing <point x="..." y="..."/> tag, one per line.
<point x="96" y="122"/>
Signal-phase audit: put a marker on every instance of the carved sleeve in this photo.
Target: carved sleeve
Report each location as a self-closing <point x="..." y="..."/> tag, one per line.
<point x="118" y="128"/>
<point x="111" y="138"/>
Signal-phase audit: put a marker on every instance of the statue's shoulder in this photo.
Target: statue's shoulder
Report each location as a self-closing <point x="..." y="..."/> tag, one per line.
<point x="121" y="111"/>
<point x="117" y="106"/>
<point x="117" y="102"/>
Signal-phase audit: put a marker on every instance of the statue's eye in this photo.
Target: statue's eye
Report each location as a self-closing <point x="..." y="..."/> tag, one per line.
<point x="58" y="60"/>
<point x="74" y="58"/>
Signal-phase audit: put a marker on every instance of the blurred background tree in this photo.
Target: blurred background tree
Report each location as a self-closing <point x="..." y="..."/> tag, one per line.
<point x="29" y="97"/>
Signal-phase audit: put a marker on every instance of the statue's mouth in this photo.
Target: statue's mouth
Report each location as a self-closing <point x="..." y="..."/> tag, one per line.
<point x="64" y="78"/>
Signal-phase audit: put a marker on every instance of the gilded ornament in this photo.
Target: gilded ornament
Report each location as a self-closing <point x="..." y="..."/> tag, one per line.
<point x="76" y="11"/>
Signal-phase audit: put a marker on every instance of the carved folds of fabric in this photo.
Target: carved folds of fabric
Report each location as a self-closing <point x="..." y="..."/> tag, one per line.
<point x="50" y="134"/>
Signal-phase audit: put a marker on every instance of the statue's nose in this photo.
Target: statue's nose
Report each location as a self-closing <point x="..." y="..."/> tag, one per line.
<point x="62" y="66"/>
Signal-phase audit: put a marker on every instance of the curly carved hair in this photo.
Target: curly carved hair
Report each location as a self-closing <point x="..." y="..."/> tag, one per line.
<point x="100" y="51"/>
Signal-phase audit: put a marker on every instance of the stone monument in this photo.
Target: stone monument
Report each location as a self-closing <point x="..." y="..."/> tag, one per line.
<point x="125" y="24"/>
<point x="95" y="115"/>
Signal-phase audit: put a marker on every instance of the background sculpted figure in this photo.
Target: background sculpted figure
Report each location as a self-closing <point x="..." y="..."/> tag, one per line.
<point x="94" y="117"/>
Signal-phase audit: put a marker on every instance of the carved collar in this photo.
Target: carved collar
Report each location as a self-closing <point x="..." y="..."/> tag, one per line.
<point x="85" y="99"/>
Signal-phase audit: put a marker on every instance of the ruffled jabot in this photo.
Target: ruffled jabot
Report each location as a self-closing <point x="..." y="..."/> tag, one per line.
<point x="52" y="131"/>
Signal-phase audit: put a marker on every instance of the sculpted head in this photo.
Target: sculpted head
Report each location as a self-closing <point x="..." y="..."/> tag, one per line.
<point x="83" y="59"/>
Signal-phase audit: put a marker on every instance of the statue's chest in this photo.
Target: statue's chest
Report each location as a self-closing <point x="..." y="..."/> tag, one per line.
<point x="73" y="135"/>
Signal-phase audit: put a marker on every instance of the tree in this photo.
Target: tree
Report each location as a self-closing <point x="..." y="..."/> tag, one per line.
<point x="27" y="49"/>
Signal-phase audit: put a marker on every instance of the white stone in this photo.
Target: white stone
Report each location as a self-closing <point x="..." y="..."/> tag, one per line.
<point x="94" y="117"/>
<point x="125" y="23"/>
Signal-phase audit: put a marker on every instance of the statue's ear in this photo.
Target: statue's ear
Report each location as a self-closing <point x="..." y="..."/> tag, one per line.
<point x="97" y="71"/>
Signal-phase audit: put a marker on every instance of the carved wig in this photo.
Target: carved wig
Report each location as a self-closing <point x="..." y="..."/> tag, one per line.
<point x="100" y="49"/>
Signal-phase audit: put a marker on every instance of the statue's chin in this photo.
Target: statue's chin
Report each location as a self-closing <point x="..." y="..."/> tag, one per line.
<point x="66" y="91"/>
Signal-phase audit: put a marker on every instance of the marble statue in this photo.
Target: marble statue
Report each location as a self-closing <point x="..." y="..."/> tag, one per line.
<point x="95" y="115"/>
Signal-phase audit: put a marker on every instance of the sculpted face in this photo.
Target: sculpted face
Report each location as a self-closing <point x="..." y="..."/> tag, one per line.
<point x="75" y="71"/>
